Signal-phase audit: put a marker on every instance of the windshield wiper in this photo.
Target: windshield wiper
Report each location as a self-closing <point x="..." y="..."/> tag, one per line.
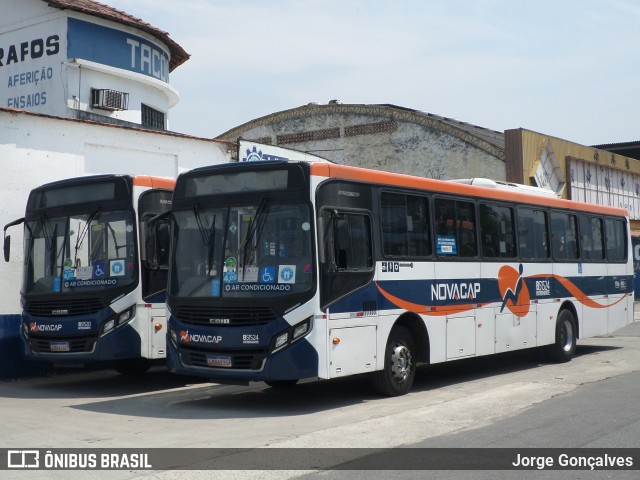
<point x="83" y="234"/>
<point x="253" y="232"/>
<point x="208" y="236"/>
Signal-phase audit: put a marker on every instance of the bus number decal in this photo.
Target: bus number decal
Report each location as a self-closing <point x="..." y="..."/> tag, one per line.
<point x="390" y="267"/>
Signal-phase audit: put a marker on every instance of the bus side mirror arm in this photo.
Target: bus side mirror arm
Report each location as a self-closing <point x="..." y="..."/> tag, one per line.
<point x="153" y="220"/>
<point x="7" y="238"/>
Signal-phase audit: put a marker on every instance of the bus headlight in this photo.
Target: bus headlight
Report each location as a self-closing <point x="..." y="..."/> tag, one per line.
<point x="126" y="316"/>
<point x="292" y="334"/>
<point x="281" y="341"/>
<point x="301" y="329"/>
<point x="119" y="320"/>
<point x="174" y="337"/>
<point x="108" y="326"/>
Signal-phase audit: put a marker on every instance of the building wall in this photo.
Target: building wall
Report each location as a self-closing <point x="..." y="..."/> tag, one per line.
<point x="377" y="137"/>
<point x="589" y="174"/>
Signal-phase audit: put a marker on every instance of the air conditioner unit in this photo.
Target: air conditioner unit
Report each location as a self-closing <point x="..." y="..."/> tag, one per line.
<point x="109" y="99"/>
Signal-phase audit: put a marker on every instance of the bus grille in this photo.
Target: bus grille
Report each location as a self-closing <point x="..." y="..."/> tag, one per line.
<point x="224" y="316"/>
<point x="79" y="344"/>
<point x="65" y="307"/>
<point x="250" y="359"/>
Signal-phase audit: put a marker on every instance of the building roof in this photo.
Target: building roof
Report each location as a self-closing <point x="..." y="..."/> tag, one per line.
<point x="488" y="140"/>
<point x="100" y="10"/>
<point x="493" y="137"/>
<point x="119" y="124"/>
<point x="628" y="149"/>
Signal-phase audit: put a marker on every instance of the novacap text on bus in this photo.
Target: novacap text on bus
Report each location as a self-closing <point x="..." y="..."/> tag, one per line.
<point x="287" y="270"/>
<point x="94" y="277"/>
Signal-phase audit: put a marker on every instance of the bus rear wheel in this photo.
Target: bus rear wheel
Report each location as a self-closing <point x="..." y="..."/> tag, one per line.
<point x="564" y="347"/>
<point x="399" y="365"/>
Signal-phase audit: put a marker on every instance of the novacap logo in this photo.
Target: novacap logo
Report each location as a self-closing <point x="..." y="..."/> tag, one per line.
<point x="186" y="337"/>
<point x="514" y="291"/>
<point x="34" y="327"/>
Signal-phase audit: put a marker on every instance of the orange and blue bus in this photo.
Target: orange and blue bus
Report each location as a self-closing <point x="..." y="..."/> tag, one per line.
<point x="285" y="270"/>
<point x="94" y="276"/>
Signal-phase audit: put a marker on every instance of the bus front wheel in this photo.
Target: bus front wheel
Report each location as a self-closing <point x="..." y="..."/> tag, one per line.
<point x="399" y="364"/>
<point x="564" y="347"/>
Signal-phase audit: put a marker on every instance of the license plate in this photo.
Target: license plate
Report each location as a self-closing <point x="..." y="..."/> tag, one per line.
<point x="59" y="346"/>
<point x="219" y="361"/>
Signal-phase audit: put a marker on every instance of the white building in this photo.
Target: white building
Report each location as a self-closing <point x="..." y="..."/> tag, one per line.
<point x="84" y="89"/>
<point x="82" y="59"/>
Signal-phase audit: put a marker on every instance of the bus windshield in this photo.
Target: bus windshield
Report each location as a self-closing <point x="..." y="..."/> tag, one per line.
<point x="262" y="250"/>
<point x="80" y="253"/>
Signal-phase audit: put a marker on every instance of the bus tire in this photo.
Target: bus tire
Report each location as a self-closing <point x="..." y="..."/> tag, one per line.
<point x="281" y="383"/>
<point x="396" y="378"/>
<point x="133" y="366"/>
<point x="564" y="347"/>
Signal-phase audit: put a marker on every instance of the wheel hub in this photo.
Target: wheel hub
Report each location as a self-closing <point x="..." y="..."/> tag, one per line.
<point x="401" y="363"/>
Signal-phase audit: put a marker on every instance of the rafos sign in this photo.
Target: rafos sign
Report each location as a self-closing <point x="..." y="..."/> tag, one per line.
<point x="29" y="50"/>
<point x="29" y="61"/>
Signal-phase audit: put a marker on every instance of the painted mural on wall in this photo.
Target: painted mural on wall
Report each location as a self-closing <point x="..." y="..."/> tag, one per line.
<point x="604" y="184"/>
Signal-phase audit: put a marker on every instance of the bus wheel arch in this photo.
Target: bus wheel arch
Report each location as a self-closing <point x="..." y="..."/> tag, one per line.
<point x="414" y="324"/>
<point x="564" y="347"/>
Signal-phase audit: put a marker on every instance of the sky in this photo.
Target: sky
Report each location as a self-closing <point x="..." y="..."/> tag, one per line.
<point x="564" y="68"/>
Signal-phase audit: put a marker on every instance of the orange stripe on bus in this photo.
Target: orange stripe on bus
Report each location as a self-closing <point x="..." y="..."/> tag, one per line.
<point x="154" y="182"/>
<point x="440" y="186"/>
<point x="578" y="294"/>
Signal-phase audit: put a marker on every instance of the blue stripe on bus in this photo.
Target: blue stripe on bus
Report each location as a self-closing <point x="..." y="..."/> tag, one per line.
<point x="474" y="292"/>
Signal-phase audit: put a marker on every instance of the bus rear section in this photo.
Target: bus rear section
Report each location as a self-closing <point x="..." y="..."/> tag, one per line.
<point x="429" y="272"/>
<point x="86" y="294"/>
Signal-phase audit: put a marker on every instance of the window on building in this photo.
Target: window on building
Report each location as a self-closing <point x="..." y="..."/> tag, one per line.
<point x="152" y="118"/>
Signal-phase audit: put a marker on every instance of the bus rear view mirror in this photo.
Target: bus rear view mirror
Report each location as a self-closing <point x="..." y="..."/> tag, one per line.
<point x="7" y="238"/>
<point x="7" y="247"/>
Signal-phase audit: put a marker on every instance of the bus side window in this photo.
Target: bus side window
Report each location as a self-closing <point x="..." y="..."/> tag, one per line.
<point x="496" y="227"/>
<point x="615" y="240"/>
<point x="352" y="242"/>
<point x="532" y="234"/>
<point x="455" y="228"/>
<point x="347" y="241"/>
<point x="564" y="238"/>
<point x="591" y="238"/>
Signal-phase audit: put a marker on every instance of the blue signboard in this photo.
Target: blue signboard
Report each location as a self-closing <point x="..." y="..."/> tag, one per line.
<point x="116" y="48"/>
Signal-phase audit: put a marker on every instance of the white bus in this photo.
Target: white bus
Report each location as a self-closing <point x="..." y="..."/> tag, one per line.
<point x="94" y="278"/>
<point x="284" y="270"/>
